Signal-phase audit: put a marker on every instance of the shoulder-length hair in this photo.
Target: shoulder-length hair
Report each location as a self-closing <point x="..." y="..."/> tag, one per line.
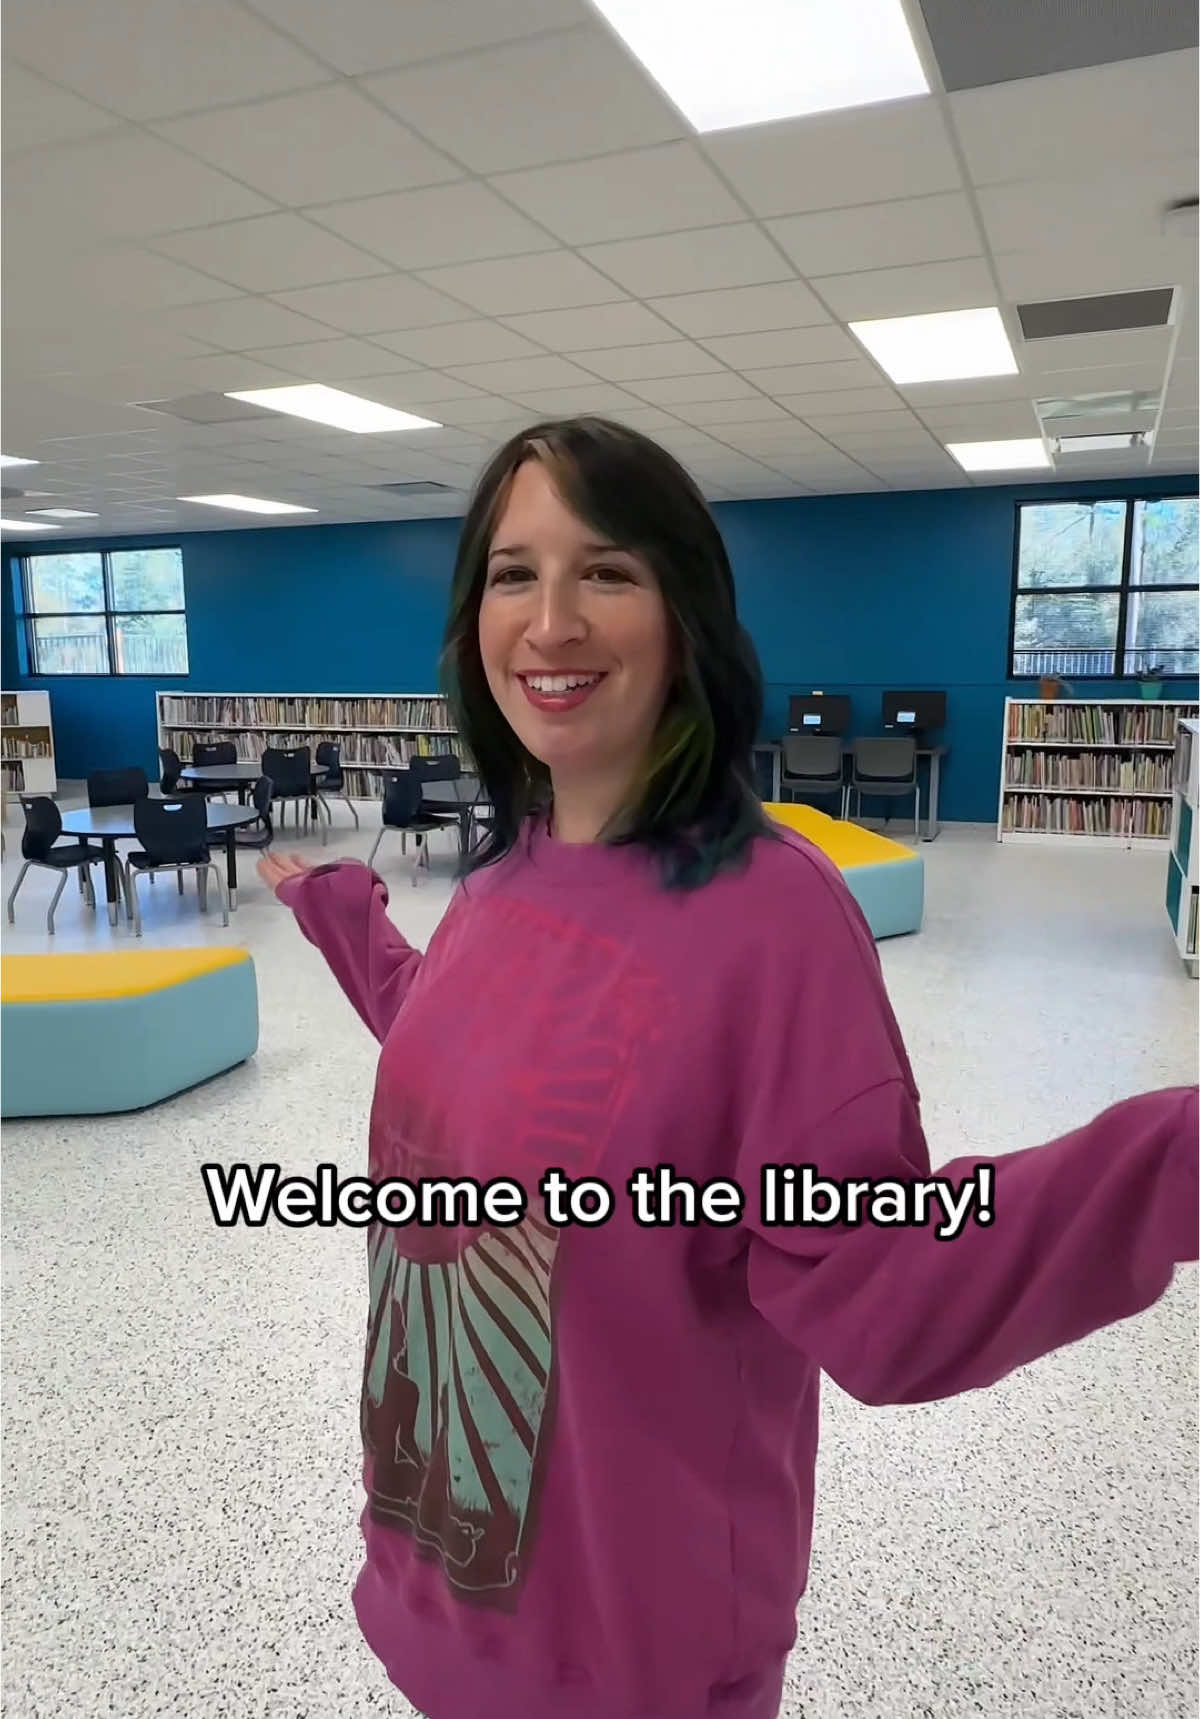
<point x="692" y="802"/>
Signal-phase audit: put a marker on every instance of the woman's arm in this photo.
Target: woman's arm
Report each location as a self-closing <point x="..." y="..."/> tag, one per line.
<point x="342" y="909"/>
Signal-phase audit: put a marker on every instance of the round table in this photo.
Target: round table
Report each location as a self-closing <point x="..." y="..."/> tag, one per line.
<point x="464" y="795"/>
<point x="110" y="824"/>
<point x="241" y="775"/>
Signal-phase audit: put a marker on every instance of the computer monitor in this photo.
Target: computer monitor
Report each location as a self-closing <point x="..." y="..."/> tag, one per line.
<point x="914" y="712"/>
<point x="820" y="713"/>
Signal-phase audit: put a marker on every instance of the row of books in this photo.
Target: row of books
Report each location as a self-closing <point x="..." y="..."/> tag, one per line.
<point x="1141" y="773"/>
<point x="365" y="750"/>
<point x="8" y="708"/>
<point x="1043" y="813"/>
<point x="1095" y="724"/>
<point x="1184" y="742"/>
<point x="14" y="778"/>
<point x="18" y="746"/>
<point x="302" y="712"/>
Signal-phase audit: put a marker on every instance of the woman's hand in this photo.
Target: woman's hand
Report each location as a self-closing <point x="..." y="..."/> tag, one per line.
<point x="275" y="869"/>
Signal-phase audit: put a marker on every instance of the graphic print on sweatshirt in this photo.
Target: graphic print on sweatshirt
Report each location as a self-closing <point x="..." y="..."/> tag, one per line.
<point x="518" y="1049"/>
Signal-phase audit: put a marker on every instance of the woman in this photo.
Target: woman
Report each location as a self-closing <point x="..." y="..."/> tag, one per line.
<point x="589" y="1451"/>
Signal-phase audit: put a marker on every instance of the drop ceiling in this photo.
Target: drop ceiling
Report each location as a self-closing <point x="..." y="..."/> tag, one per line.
<point x="488" y="214"/>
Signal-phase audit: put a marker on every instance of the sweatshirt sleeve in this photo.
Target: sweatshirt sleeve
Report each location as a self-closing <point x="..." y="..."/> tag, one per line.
<point x="1086" y="1230"/>
<point x="342" y="909"/>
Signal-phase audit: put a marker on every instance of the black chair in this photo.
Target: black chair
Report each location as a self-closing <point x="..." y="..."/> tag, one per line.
<point x="402" y="811"/>
<point x="214" y="752"/>
<point x="261" y="833"/>
<point x="329" y="756"/>
<point x="117" y="787"/>
<point x="444" y="768"/>
<point x="170" y="764"/>
<point x="812" y="766"/>
<point x="885" y="768"/>
<point x="43" y="826"/>
<point x="290" y="771"/>
<point x="174" y="837"/>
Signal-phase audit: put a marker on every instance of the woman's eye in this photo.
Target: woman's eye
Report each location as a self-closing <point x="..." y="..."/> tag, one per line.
<point x="612" y="575"/>
<point x="509" y="575"/>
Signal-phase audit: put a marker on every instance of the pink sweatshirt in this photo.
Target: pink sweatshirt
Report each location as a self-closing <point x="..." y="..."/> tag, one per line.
<point x="589" y="1452"/>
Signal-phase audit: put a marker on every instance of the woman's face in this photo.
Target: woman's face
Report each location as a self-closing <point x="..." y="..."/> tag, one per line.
<point x="574" y="637"/>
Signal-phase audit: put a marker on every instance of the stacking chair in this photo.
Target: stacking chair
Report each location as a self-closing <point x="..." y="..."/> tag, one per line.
<point x="43" y="826"/>
<point x="444" y="768"/>
<point x="402" y="811"/>
<point x="886" y="768"/>
<point x="174" y="837"/>
<point x="261" y="833"/>
<point x="811" y="766"/>
<point x="329" y="754"/>
<point x="117" y="787"/>
<point x="170" y="764"/>
<point x="214" y="752"/>
<point x="290" y="772"/>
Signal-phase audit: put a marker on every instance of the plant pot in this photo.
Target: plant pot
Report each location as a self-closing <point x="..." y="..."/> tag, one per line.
<point x="1151" y="688"/>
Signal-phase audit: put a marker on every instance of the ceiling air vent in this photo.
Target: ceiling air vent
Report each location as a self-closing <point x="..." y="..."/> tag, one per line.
<point x="205" y="409"/>
<point x="1107" y="314"/>
<point x="424" y="486"/>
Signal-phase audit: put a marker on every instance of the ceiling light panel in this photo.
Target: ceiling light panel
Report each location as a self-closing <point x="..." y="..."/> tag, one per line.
<point x="63" y="513"/>
<point x="1100" y="444"/>
<point x="15" y="460"/>
<point x="246" y="504"/>
<point x="726" y="65"/>
<point x="322" y="405"/>
<point x="27" y="525"/>
<point x="948" y="346"/>
<point x="1024" y="453"/>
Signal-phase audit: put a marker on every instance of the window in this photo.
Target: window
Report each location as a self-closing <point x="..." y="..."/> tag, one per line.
<point x="1105" y="589"/>
<point x="111" y="611"/>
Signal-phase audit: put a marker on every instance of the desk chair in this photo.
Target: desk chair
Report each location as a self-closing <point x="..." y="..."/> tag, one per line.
<point x="174" y="837"/>
<point x="170" y="764"/>
<point x="43" y="826"/>
<point x="290" y="771"/>
<point x="401" y="811"/>
<point x="261" y="833"/>
<point x="886" y="768"/>
<point x="812" y="765"/>
<point x="214" y="752"/>
<point x="329" y="754"/>
<point x="117" y="787"/>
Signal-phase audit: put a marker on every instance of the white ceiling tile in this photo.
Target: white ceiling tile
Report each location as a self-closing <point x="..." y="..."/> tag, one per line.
<point x="580" y="397"/>
<point x="1145" y="378"/>
<point x="122" y="184"/>
<point x="35" y="113"/>
<point x="150" y="61"/>
<point x="914" y="291"/>
<point x="237" y="324"/>
<point x="459" y="343"/>
<point x="822" y="465"/>
<point x="555" y="280"/>
<point x="778" y="380"/>
<point x="415" y="388"/>
<point x="831" y="422"/>
<point x="1031" y="277"/>
<point x="982" y="423"/>
<point x="1079" y="122"/>
<point x="845" y="400"/>
<point x="513" y="374"/>
<point x="878" y="235"/>
<point x="1149" y="346"/>
<point x="313" y="147"/>
<point x="570" y="94"/>
<point x="648" y="419"/>
<point x="337" y="360"/>
<point x="377" y="306"/>
<point x="731" y="469"/>
<point x="622" y="324"/>
<point x="743" y="310"/>
<point x="136" y="280"/>
<point x="369" y="38"/>
<point x="715" y="413"/>
<point x="784" y="346"/>
<point x="270" y="253"/>
<point x="980" y="390"/>
<point x="909" y="443"/>
<point x="828" y="160"/>
<point x="624" y="196"/>
<point x="656" y="358"/>
<point x="718" y="256"/>
<point x="440" y="224"/>
<point x="485" y="411"/>
<point x="665" y="390"/>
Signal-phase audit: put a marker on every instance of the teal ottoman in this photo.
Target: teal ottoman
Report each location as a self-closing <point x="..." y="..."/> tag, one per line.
<point x="82" y="1035"/>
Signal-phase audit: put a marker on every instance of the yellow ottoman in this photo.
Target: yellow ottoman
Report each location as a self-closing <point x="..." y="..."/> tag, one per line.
<point x="87" y="1034"/>
<point x="886" y="879"/>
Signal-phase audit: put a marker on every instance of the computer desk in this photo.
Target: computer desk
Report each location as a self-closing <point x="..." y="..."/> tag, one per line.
<point x="934" y="755"/>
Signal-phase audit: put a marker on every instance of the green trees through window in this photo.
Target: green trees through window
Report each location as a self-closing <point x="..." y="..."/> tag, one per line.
<point x="113" y="611"/>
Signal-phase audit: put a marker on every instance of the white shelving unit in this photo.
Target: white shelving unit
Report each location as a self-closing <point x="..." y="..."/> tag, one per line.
<point x="1183" y="864"/>
<point x="375" y="730"/>
<point x="27" y="743"/>
<point x="1089" y="772"/>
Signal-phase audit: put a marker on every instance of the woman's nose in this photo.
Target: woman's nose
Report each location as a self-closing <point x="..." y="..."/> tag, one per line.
<point x="558" y="618"/>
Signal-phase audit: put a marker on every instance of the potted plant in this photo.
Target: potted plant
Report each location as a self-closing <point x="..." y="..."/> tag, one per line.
<point x="1150" y="680"/>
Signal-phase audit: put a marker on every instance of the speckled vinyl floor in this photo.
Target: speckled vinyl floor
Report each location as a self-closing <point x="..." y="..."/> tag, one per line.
<point x="181" y="1441"/>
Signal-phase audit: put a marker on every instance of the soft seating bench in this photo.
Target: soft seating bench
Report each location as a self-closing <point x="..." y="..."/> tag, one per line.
<point x="885" y="878"/>
<point x="83" y="1035"/>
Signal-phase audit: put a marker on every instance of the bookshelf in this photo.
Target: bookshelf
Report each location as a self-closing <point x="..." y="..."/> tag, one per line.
<point x="374" y="730"/>
<point x="27" y="743"/>
<point x="1183" y="862"/>
<point x="1094" y="773"/>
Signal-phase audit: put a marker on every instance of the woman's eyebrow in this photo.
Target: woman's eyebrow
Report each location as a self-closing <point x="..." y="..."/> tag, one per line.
<point x="588" y="549"/>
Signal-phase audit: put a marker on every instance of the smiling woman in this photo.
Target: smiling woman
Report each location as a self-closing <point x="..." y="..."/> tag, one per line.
<point x="593" y="652"/>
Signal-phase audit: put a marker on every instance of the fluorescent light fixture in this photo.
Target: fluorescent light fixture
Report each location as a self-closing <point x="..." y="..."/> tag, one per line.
<point x="332" y="406"/>
<point x="1100" y="444"/>
<point x="16" y="460"/>
<point x="246" y="504"/>
<point x="728" y="64"/>
<point x="948" y="346"/>
<point x="63" y="512"/>
<point x="1024" y="453"/>
<point x="26" y="525"/>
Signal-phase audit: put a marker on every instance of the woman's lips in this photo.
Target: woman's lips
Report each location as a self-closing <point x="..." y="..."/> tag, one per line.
<point x="555" y="703"/>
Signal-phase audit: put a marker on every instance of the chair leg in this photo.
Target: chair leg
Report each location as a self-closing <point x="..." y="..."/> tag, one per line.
<point x="221" y="897"/>
<point x="62" y="884"/>
<point x="179" y="878"/>
<point x="202" y="886"/>
<point x="89" y="893"/>
<point x="374" y="850"/>
<point x="82" y="877"/>
<point x="16" y="886"/>
<point x="135" y="909"/>
<point x="353" y="813"/>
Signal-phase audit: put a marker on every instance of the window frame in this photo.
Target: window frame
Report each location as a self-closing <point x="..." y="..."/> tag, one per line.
<point x="1124" y="589"/>
<point x="25" y="615"/>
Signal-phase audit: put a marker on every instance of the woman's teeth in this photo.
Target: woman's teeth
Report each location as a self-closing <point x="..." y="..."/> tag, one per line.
<point x="551" y="683"/>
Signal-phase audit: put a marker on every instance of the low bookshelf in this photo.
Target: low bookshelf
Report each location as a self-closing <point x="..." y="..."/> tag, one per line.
<point x="1089" y="772"/>
<point x="374" y="730"/>
<point x="1183" y="862"/>
<point x="27" y="740"/>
